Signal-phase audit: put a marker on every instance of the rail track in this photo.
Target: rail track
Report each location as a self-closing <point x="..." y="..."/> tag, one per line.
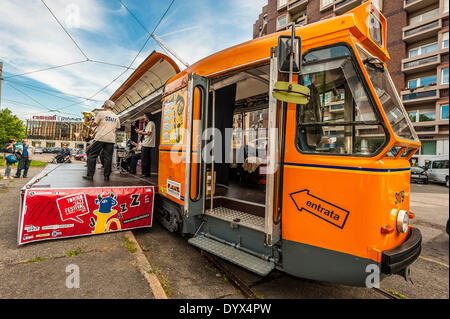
<point x="247" y="289"/>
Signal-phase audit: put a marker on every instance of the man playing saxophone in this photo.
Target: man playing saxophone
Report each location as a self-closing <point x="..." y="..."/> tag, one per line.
<point x="106" y="123"/>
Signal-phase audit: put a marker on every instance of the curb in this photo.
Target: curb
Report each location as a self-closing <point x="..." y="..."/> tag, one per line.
<point x="145" y="267"/>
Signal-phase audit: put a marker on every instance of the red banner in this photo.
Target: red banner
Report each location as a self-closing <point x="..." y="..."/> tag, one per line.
<point x="69" y="212"/>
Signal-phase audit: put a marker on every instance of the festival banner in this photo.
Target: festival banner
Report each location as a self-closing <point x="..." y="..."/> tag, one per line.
<point x="69" y="212"/>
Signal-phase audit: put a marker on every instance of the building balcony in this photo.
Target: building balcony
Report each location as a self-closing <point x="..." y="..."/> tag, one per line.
<point x="296" y="6"/>
<point x="421" y="63"/>
<point x="415" y="5"/>
<point x="422" y="30"/>
<point x="342" y="6"/>
<point x="302" y="21"/>
<point x="420" y="95"/>
<point x="425" y="128"/>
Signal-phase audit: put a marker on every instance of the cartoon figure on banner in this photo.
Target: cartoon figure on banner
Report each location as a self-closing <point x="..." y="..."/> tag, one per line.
<point x="103" y="213"/>
<point x="179" y="117"/>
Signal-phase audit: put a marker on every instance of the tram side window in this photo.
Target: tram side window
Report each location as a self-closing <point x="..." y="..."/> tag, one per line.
<point x="339" y="117"/>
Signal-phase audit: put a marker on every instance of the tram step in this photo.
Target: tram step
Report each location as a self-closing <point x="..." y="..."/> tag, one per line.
<point x="257" y="265"/>
<point x="237" y="217"/>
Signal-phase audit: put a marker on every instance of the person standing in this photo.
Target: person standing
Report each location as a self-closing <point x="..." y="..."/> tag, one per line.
<point x="107" y="123"/>
<point x="24" y="162"/>
<point x="9" y="149"/>
<point x="147" y="143"/>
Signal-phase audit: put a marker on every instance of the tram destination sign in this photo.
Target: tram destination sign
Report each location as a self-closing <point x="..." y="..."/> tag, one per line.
<point x="325" y="210"/>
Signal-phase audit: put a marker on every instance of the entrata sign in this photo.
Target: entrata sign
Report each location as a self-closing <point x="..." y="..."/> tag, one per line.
<point x="70" y="212"/>
<point x="327" y="211"/>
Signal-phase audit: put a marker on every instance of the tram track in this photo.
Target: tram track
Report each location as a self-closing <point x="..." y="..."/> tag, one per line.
<point x="235" y="280"/>
<point x="247" y="289"/>
<point x="385" y="293"/>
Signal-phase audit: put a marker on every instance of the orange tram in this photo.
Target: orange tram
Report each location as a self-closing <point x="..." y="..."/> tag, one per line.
<point x="330" y="196"/>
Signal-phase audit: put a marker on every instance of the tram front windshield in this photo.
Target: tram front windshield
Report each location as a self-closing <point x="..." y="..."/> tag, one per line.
<point x="388" y="96"/>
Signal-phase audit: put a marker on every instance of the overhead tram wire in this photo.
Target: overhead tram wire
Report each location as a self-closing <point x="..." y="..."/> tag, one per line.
<point x="60" y="24"/>
<point x="96" y="61"/>
<point x="142" y="48"/>
<point x="46" y="69"/>
<point x="34" y="100"/>
<point x="153" y="35"/>
<point x="50" y="90"/>
<point x="44" y="92"/>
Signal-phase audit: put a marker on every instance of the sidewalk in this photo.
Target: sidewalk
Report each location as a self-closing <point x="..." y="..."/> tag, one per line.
<point x="106" y="263"/>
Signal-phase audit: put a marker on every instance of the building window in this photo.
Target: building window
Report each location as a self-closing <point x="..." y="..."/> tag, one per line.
<point x="445" y="39"/>
<point x="424" y="16"/>
<point x="444" y="112"/>
<point x="445" y="6"/>
<point x="413" y="116"/>
<point x="325" y="3"/>
<point x="428" y="148"/>
<point x="282" y="21"/>
<point x="444" y="76"/>
<point x="421" y="82"/>
<point x="423" y="49"/>
<point x="282" y="3"/>
<point x="426" y="117"/>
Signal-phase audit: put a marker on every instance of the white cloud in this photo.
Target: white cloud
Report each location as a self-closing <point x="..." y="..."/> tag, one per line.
<point x="32" y="39"/>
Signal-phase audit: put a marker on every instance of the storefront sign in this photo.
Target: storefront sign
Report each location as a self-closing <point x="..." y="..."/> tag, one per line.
<point x="70" y="212"/>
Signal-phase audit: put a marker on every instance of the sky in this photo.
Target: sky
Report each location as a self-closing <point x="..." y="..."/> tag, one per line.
<point x="103" y="30"/>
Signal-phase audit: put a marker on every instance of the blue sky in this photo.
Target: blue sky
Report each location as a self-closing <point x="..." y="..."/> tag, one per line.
<point x="31" y="39"/>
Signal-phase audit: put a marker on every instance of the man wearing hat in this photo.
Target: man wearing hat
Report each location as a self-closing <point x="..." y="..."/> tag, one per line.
<point x="107" y="123"/>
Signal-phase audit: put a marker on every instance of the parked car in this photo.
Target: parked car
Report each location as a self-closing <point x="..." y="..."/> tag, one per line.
<point x="38" y="150"/>
<point x="438" y="171"/>
<point x="56" y="150"/>
<point x="81" y="156"/>
<point x="419" y="175"/>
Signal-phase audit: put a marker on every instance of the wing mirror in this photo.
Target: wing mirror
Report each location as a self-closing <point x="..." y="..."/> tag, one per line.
<point x="290" y="61"/>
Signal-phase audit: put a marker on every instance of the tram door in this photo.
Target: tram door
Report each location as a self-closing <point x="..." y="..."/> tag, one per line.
<point x="195" y="166"/>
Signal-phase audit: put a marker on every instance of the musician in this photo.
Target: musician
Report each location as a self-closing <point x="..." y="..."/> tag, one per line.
<point x="106" y="123"/>
<point x="148" y="142"/>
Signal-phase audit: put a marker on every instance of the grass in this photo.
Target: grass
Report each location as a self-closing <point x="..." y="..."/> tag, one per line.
<point x="396" y="293"/>
<point x="35" y="260"/>
<point x="32" y="164"/>
<point x="130" y="245"/>
<point x="72" y="253"/>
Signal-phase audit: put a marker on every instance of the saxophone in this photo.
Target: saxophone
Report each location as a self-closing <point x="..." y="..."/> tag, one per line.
<point x="88" y="131"/>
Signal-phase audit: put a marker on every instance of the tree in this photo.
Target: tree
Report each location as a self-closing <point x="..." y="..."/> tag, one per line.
<point x="10" y="127"/>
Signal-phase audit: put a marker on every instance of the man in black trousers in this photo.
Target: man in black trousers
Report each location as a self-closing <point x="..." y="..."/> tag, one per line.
<point x="107" y="123"/>
<point x="148" y="142"/>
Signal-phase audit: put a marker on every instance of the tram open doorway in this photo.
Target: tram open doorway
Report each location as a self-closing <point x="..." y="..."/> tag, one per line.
<point x="238" y="114"/>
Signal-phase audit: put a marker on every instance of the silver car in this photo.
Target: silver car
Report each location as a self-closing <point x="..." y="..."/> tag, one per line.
<point x="438" y="171"/>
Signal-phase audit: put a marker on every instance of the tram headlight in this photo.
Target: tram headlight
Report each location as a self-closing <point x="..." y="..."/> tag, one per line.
<point x="402" y="221"/>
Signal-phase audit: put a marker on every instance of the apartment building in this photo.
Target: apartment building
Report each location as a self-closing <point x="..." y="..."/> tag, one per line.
<point x="418" y="43"/>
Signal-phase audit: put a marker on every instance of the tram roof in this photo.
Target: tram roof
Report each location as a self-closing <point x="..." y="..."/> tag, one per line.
<point x="354" y="23"/>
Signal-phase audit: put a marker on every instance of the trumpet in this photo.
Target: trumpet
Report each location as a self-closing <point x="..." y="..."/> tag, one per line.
<point x="88" y="131"/>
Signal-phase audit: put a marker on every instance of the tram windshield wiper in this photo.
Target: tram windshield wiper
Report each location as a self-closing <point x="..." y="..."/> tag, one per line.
<point x="375" y="63"/>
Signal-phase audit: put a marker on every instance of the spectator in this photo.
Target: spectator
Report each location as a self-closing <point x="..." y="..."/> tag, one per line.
<point x="9" y="149"/>
<point x="64" y="155"/>
<point x="25" y="160"/>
